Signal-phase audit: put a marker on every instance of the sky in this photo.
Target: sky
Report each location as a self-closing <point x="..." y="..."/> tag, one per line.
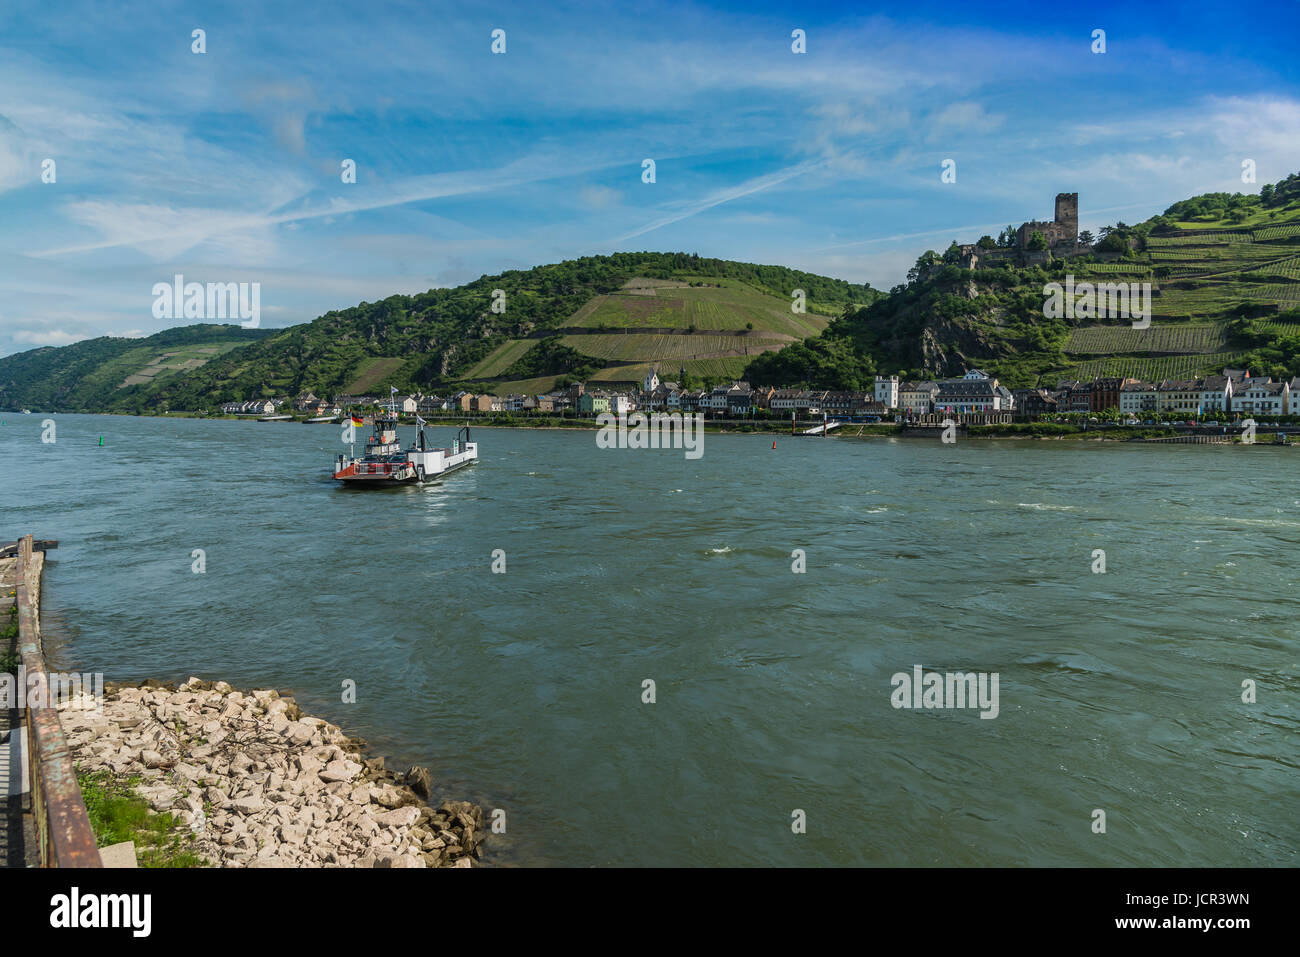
<point x="226" y="165"/>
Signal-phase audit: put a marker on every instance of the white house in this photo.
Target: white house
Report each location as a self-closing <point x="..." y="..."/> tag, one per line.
<point x="717" y="399"/>
<point x="1216" y="393"/>
<point x="969" y="394"/>
<point x="887" y="391"/>
<point x="1137" y="397"/>
<point x="1261" y="395"/>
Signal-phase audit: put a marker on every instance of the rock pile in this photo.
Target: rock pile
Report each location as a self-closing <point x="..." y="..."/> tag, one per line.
<point x="261" y="785"/>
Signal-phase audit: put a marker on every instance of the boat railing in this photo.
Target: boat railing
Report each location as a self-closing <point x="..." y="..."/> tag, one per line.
<point x="379" y="468"/>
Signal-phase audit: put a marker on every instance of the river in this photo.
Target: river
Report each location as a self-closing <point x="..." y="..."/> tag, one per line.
<point x="524" y="690"/>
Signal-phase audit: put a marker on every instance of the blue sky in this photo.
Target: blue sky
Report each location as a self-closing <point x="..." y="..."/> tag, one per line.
<point x="225" y="166"/>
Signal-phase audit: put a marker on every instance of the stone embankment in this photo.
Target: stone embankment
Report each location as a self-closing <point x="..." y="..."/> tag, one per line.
<point x="261" y="785"/>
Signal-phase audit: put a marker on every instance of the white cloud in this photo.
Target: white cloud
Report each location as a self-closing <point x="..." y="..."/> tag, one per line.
<point x="964" y="117"/>
<point x="46" y="337"/>
<point x="599" y="197"/>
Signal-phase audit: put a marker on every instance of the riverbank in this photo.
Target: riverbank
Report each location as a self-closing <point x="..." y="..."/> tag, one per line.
<point x="259" y="784"/>
<point x="869" y="430"/>
<point x="776" y="428"/>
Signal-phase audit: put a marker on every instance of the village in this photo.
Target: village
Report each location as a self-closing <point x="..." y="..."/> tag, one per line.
<point x="975" y="397"/>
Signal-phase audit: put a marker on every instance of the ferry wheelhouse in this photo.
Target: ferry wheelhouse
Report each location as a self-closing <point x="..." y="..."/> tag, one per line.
<point x="386" y="463"/>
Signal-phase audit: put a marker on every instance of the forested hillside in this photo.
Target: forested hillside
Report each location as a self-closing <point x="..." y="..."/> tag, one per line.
<point x="665" y="308"/>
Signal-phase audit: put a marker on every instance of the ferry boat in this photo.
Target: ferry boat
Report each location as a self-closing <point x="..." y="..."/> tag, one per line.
<point x="386" y="463"/>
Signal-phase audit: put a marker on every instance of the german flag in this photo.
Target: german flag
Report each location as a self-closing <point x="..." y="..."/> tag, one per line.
<point x="357" y="421"/>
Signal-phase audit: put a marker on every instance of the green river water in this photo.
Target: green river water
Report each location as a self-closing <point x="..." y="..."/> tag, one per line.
<point x="523" y="691"/>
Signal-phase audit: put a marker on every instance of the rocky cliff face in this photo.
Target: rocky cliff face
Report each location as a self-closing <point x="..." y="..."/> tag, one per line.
<point x="949" y="347"/>
<point x="941" y="327"/>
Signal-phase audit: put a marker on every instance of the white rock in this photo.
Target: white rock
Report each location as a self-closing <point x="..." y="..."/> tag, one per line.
<point x="249" y="804"/>
<point x="402" y="817"/>
<point x="340" y="770"/>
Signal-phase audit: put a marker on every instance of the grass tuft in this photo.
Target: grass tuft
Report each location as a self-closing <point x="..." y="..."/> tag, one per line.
<point x="118" y="814"/>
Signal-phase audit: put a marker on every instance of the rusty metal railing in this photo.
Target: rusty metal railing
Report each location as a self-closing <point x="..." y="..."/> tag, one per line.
<point x="62" y="826"/>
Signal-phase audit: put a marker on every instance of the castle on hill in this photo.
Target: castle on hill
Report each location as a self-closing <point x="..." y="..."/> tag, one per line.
<point x="1063" y="230"/>
<point x="1061" y="235"/>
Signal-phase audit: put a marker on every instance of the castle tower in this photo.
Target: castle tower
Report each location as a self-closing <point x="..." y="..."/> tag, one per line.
<point x="1067" y="215"/>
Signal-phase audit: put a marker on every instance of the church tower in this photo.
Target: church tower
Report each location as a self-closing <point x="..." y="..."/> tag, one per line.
<point x="651" y="379"/>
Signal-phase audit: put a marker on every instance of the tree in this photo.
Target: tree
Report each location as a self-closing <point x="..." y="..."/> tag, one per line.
<point x="1036" y="241"/>
<point x="1086" y="237"/>
<point x="987" y="242"/>
<point x="923" y="262"/>
<point x="1115" y="242"/>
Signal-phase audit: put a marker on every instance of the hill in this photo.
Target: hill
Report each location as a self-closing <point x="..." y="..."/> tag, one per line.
<point x="606" y="316"/>
<point x="1224" y="271"/>
<point x="111" y="372"/>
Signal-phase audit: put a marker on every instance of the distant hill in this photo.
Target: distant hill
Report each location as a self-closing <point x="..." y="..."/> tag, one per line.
<point x="709" y="327"/>
<point x="1225" y="276"/>
<point x="1224" y="269"/>
<point x="107" y="373"/>
<point x="601" y="316"/>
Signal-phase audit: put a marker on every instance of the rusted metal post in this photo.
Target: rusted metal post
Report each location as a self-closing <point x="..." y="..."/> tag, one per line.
<point x="62" y="824"/>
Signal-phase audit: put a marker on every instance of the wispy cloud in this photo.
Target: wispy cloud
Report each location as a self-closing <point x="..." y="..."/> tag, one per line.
<point x="168" y="231"/>
<point x="716" y="198"/>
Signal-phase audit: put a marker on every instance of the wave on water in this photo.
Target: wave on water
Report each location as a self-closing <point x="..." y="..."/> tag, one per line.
<point x="1264" y="522"/>
<point x="720" y="551"/>
<point x="1075" y="663"/>
<point x="1043" y="507"/>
